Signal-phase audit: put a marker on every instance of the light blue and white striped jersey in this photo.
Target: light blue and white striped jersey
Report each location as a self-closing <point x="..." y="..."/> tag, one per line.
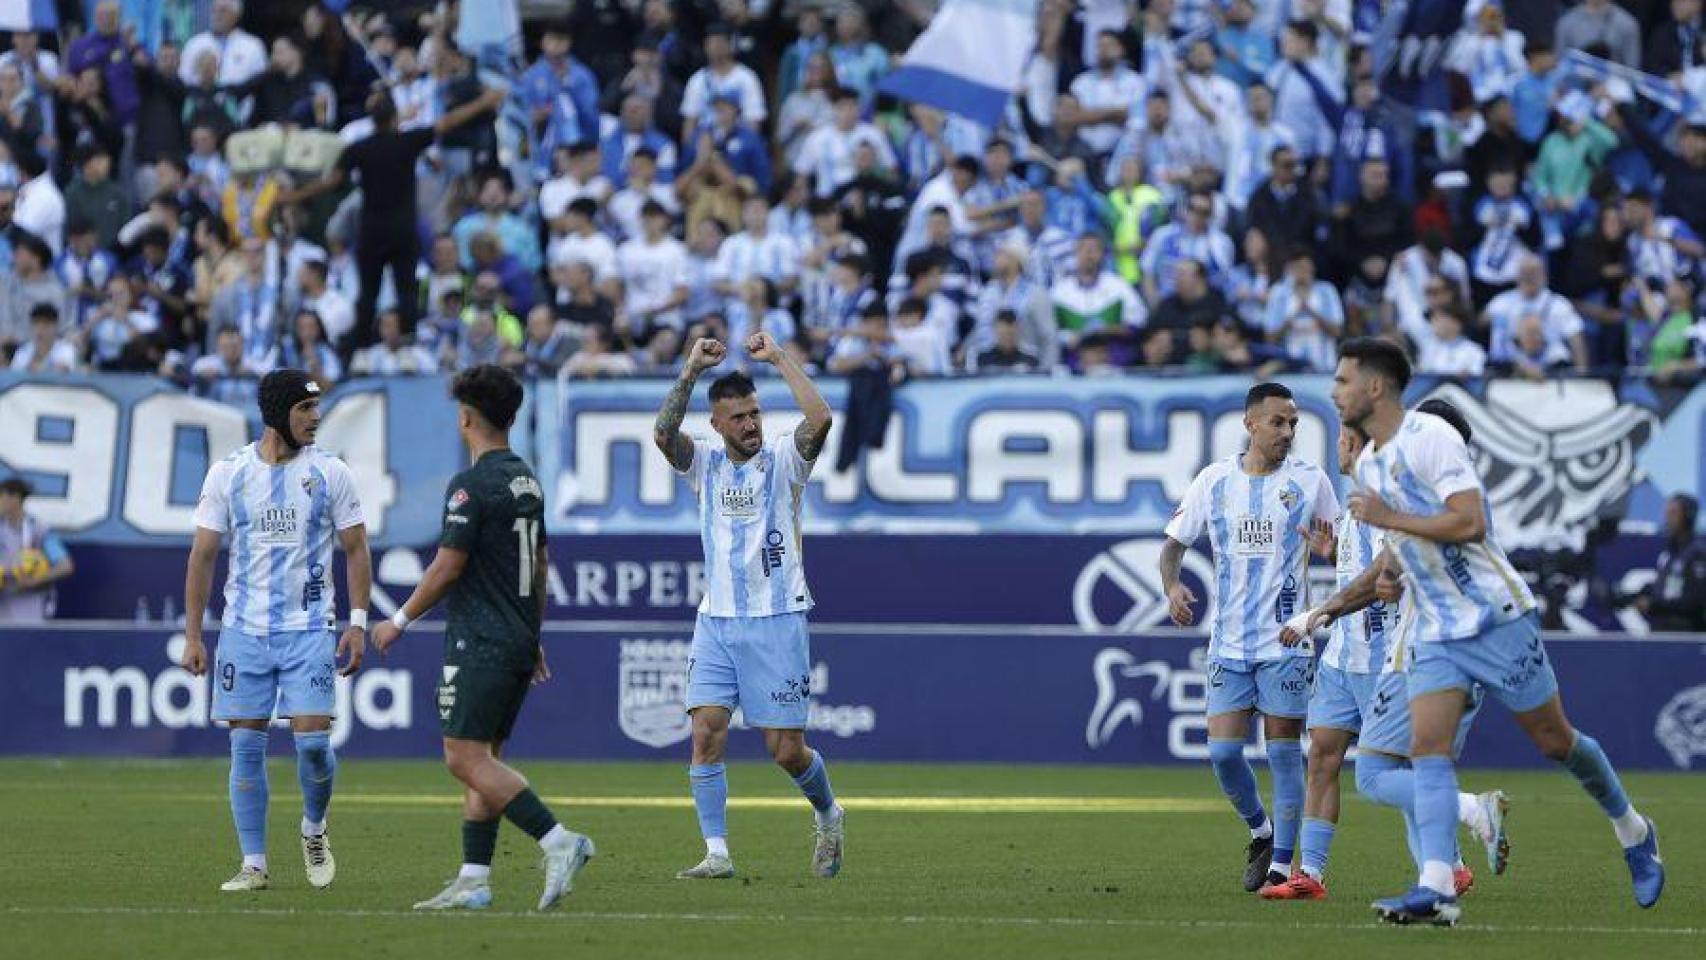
<point x="749" y="524"/>
<point x="744" y="256"/>
<point x="1461" y="590"/>
<point x="282" y="522"/>
<point x="1358" y="642"/>
<point x="1260" y="559"/>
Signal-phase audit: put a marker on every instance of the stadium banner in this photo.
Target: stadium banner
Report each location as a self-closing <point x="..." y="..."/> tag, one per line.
<point x="956" y="695"/>
<point x="120" y="459"/>
<point x="1092" y="582"/>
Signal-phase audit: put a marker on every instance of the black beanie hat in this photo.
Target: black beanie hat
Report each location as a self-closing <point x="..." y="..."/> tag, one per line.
<point x="280" y="391"/>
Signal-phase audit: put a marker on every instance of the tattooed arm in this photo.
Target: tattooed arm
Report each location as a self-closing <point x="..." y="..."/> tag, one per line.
<point x="666" y="433"/>
<point x="809" y="438"/>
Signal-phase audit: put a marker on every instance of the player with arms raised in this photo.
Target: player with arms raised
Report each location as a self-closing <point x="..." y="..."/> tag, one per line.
<point x="1475" y="622"/>
<point x="1257" y="507"/>
<point x="750" y="648"/>
<point x="491" y="563"/>
<point x="282" y="501"/>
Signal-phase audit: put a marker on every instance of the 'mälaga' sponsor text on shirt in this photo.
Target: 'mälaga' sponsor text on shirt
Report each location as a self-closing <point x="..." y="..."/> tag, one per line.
<point x="1260" y="558"/>
<point x="749" y="523"/>
<point x="1358" y="643"/>
<point x="282" y="522"/>
<point x="1462" y="590"/>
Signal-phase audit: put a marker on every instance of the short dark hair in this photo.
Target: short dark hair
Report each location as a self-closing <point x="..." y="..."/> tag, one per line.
<point x="585" y="206"/>
<point x="1005" y="315"/>
<point x="493" y="391"/>
<point x="732" y="386"/>
<point x="1382" y="357"/>
<point x="966" y="163"/>
<point x="16" y="486"/>
<point x="1690" y="507"/>
<point x="1447" y="411"/>
<point x="1263" y="391"/>
<point x="911" y="305"/>
<point x="44" y="312"/>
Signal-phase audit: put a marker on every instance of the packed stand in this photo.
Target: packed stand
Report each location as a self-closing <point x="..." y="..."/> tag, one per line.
<point x="1178" y="186"/>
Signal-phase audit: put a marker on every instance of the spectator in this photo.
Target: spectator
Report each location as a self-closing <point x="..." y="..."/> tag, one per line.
<point x="577" y="176"/>
<point x="580" y="302"/>
<point x="104" y="49"/>
<point x="340" y="60"/>
<point x="1252" y="279"/>
<point x="84" y="269"/>
<point x="1053" y="251"/>
<point x="1209" y="107"/>
<point x="1105" y="94"/>
<point x="757" y="252"/>
<point x="1006" y="354"/>
<point x="548" y="345"/>
<point x="1301" y="82"/>
<point x="1675" y="44"/>
<point x="1675" y="601"/>
<point x="757" y="310"/>
<point x="28" y="595"/>
<point x="1234" y="352"/>
<point x="1443" y="351"/>
<point x="250" y="305"/>
<point x="859" y="63"/>
<point x="1684" y="195"/>
<point x="1305" y="315"/>
<point x="1601" y="23"/>
<point x="385" y="165"/>
<point x="595" y="360"/>
<point x="307" y="349"/>
<point x="413" y="91"/>
<point x="635" y="129"/>
<point x="230" y="374"/>
<point x="394" y="354"/>
<point x="561" y="95"/>
<point x="826" y="155"/>
<point x="520" y="286"/>
<point x="1534" y="95"/>
<point x="653" y="268"/>
<point x="1011" y="292"/>
<point x="727" y="138"/>
<point x="515" y="237"/>
<point x="1378" y="223"/>
<point x="919" y="346"/>
<point x="40" y="207"/>
<point x="208" y="171"/>
<point x="45" y="351"/>
<point x="1414" y="268"/>
<point x="480" y="342"/>
<point x="661" y="356"/>
<point x="1488" y="54"/>
<point x="287" y="93"/>
<point x="162" y="288"/>
<point x="240" y="55"/>
<point x="31" y="282"/>
<point x="21" y="122"/>
<point x="1664" y="330"/>
<point x="1194" y="239"/>
<point x="116" y="326"/>
<point x="1093" y="299"/>
<point x="1660" y="248"/>
<point x="809" y="107"/>
<point x="1251" y="152"/>
<point x="1568" y="158"/>
<point x="1282" y="207"/>
<point x="1245" y="52"/>
<point x="868" y="346"/>
<point x="1167" y="148"/>
<point x="1365" y="133"/>
<point x="1533" y="328"/>
<point x="336" y="313"/>
<point x="584" y="243"/>
<point x="721" y="78"/>
<point x="811" y="41"/>
<point x="641" y="190"/>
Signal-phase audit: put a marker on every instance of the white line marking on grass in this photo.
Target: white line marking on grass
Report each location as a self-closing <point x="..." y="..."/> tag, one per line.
<point x="570" y="915"/>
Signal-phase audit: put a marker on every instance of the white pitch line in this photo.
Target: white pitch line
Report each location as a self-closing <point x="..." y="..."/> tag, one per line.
<point x="569" y="915"/>
<point x="878" y="804"/>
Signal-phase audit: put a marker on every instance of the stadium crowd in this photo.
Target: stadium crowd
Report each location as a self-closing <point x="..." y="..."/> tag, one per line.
<point x="1178" y="185"/>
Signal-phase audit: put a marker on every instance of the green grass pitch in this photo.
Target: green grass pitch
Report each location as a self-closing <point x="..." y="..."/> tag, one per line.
<point x="124" y="859"/>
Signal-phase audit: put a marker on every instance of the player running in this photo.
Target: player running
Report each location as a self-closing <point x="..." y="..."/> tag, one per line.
<point x="283" y="501"/>
<point x="1475" y="623"/>
<point x="750" y="648"/>
<point x="491" y="562"/>
<point x="1343" y="705"/>
<point x="1256" y="507"/>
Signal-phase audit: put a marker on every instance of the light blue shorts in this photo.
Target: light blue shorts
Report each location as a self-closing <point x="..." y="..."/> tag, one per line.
<point x="1275" y="688"/>
<point x="1509" y="660"/>
<point x="1340" y="698"/>
<point x="760" y="664"/>
<point x="1386" y="723"/>
<point x="294" y="671"/>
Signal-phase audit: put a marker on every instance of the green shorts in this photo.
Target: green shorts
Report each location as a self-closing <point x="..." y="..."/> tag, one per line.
<point x="481" y="703"/>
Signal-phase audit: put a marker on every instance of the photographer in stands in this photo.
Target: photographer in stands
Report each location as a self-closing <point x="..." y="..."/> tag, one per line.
<point x="1676" y="599"/>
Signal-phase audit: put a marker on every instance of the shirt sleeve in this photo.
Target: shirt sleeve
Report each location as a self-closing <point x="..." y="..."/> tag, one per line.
<point x="1188" y="521"/>
<point x="1441" y="461"/>
<point x="695" y="472"/>
<point x="345" y="503"/>
<point x="461" y="516"/>
<point x="797" y="468"/>
<point x="1326" y="501"/>
<point x="213" y="510"/>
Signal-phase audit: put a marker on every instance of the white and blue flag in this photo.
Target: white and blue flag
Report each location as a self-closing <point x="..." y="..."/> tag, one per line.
<point x="970" y="59"/>
<point x="33" y="15"/>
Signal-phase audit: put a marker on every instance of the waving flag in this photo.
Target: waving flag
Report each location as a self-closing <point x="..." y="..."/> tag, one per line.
<point x="969" y="59"/>
<point x="28" y="15"/>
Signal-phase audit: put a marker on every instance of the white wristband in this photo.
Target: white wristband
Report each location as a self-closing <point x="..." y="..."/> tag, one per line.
<point x="400" y="620"/>
<point x="358" y="618"/>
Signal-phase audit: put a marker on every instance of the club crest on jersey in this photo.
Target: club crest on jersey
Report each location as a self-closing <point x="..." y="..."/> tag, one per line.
<point x="1289" y="496"/>
<point x="458" y="500"/>
<point x="525" y="487"/>
<point x="308" y="485"/>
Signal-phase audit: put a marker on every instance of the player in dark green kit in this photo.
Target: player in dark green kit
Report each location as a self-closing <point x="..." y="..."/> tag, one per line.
<point x="491" y="563"/>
